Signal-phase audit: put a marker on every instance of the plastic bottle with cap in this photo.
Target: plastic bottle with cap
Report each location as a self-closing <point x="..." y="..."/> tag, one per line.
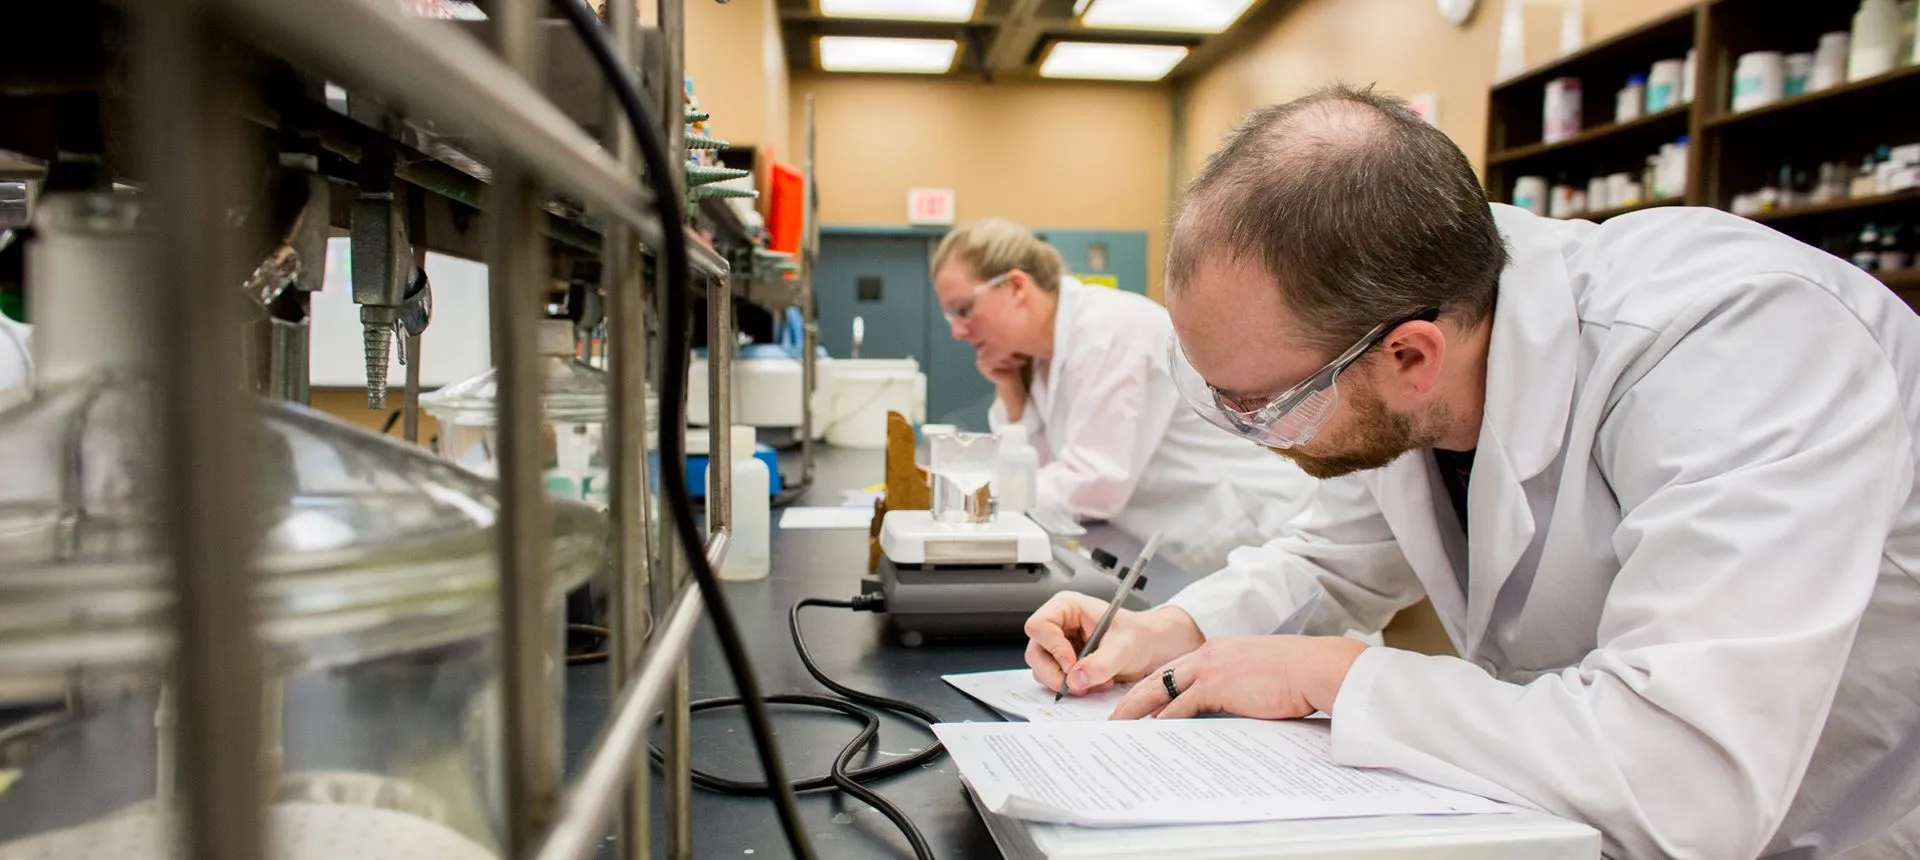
<point x="750" y="550"/>
<point x="1630" y="104"/>
<point x="1016" y="473"/>
<point x="1875" y="47"/>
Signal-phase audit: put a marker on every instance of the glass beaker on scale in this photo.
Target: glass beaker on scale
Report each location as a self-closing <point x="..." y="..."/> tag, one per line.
<point x="963" y="467"/>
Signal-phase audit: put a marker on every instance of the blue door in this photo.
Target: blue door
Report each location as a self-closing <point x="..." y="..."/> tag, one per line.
<point x="882" y="280"/>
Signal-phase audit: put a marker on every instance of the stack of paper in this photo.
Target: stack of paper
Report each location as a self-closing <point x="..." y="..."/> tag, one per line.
<point x="1520" y="835"/>
<point x="1145" y="772"/>
<point x="1224" y="788"/>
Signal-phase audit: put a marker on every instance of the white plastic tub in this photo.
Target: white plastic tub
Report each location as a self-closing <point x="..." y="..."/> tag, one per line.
<point x="860" y="393"/>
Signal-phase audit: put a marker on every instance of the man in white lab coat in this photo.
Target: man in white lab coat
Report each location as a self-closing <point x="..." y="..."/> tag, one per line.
<point x="1655" y="475"/>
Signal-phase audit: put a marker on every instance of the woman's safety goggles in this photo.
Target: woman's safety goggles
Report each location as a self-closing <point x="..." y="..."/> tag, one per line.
<point x="1294" y="416"/>
<point x="964" y="310"/>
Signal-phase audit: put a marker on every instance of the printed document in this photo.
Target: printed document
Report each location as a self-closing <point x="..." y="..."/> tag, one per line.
<point x="1206" y="771"/>
<point x="826" y="518"/>
<point x="1017" y="696"/>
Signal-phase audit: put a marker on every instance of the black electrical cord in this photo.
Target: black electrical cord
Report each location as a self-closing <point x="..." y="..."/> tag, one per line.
<point x="651" y="138"/>
<point x="839" y="775"/>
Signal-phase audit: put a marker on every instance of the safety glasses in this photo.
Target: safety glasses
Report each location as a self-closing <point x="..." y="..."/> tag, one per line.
<point x="1293" y="417"/>
<point x="964" y="310"/>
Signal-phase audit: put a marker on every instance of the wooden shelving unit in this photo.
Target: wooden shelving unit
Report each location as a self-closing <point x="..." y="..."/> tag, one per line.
<point x="1906" y="282"/>
<point x="1609" y="134"/>
<point x="1851" y="205"/>
<point x="1729" y="153"/>
<point x="1515" y="116"/>
<point x="1902" y="83"/>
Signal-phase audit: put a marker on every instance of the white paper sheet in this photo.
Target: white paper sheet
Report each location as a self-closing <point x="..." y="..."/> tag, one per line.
<point x="826" y="518"/>
<point x="1151" y="772"/>
<point x="862" y="499"/>
<point x="1017" y="696"/>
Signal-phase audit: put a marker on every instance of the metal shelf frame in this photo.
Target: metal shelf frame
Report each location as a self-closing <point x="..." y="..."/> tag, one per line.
<point x="810" y="324"/>
<point x="190" y="146"/>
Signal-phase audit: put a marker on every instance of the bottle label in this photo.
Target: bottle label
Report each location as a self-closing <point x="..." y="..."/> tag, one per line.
<point x="581" y="486"/>
<point x="1659" y="97"/>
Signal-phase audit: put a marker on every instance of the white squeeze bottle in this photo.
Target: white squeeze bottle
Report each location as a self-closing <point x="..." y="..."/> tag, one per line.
<point x="749" y="552"/>
<point x="1015" y="473"/>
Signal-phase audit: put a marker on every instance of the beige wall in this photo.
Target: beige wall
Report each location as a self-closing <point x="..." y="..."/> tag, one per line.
<point x="1064" y="155"/>
<point x="1402" y="45"/>
<point x="739" y="70"/>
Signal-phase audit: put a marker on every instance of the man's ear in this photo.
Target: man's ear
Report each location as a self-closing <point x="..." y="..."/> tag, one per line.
<point x="1415" y="353"/>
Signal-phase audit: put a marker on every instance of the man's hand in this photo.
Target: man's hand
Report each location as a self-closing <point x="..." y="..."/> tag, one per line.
<point x="1262" y="677"/>
<point x="1134" y="644"/>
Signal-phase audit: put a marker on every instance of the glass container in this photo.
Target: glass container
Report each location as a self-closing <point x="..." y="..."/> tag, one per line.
<point x="374" y="593"/>
<point x="963" y="464"/>
<point x="573" y="400"/>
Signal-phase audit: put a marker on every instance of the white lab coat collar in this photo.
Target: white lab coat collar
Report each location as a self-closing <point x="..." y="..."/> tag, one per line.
<point x="1532" y="358"/>
<point x="1063" y="318"/>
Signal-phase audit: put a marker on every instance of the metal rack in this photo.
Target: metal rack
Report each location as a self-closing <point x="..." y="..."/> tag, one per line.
<point x="190" y="155"/>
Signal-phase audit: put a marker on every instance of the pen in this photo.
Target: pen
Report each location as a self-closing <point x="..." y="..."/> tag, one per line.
<point x="1119" y="597"/>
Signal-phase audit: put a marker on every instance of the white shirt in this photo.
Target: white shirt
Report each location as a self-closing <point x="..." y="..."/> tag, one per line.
<point x="1691" y="617"/>
<point x="1117" y="443"/>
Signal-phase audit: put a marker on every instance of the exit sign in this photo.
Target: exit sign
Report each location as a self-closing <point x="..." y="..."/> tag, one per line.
<point x="930" y="206"/>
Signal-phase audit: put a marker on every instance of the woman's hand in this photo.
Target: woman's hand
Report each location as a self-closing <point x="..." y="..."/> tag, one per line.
<point x="1004" y="371"/>
<point x="1000" y="368"/>
<point x="1262" y="677"/>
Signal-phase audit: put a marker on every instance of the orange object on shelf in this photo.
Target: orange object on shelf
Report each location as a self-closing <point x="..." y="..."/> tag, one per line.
<point x="786" y="210"/>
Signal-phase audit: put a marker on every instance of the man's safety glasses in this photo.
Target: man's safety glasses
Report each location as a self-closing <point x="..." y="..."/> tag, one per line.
<point x="1294" y="416"/>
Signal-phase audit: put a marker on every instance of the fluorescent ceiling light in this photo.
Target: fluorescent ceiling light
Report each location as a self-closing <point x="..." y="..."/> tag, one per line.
<point x="1101" y="61"/>
<point x="1187" y="16"/>
<point x="863" y="54"/>
<point x="908" y="10"/>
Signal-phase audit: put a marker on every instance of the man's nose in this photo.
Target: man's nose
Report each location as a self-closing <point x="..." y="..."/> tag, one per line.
<point x="958" y="328"/>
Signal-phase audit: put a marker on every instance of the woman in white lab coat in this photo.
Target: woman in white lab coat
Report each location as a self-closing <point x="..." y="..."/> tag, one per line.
<point x="1084" y="369"/>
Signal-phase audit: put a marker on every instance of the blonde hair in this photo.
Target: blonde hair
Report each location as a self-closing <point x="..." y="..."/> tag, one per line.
<point x="994" y="247"/>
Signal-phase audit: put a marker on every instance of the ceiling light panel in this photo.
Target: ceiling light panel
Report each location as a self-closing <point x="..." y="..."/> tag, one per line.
<point x="902" y="10"/>
<point x="905" y="56"/>
<point x="1185" y="16"/>
<point x="1099" y="61"/>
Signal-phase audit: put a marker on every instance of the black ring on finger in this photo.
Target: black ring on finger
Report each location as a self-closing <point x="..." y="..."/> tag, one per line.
<point x="1166" y="679"/>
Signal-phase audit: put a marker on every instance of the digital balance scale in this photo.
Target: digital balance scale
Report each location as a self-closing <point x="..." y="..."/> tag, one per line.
<point x="979" y="580"/>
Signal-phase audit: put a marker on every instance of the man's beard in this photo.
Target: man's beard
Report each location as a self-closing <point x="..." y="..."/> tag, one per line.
<point x="1375" y="438"/>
